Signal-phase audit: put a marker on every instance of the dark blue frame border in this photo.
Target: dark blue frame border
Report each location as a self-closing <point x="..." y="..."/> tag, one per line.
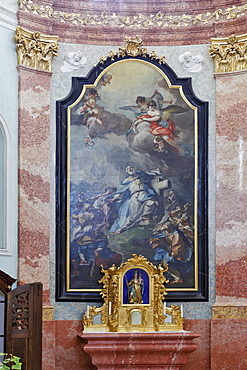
<point x="61" y="184"/>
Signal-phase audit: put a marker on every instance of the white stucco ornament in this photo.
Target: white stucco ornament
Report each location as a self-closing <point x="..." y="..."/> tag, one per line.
<point x="191" y="63"/>
<point x="73" y="61"/>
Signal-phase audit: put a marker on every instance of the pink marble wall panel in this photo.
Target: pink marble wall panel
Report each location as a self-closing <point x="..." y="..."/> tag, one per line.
<point x="231" y="189"/>
<point x="139" y="6"/>
<point x="144" y="26"/>
<point x="229" y="341"/>
<point x="129" y="7"/>
<point x="34" y="177"/>
<point x="49" y="345"/>
<point x="69" y="354"/>
<point x="200" y="359"/>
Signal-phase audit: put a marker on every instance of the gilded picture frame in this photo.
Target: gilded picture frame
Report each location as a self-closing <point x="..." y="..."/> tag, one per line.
<point x="131" y="176"/>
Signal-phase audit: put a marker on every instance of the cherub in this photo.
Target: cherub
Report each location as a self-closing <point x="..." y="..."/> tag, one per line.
<point x="161" y="126"/>
<point x="91" y="113"/>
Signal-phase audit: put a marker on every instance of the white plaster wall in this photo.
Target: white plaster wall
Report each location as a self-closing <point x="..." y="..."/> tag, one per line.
<point x="9" y="121"/>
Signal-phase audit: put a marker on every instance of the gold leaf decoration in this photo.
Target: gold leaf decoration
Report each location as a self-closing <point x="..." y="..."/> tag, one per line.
<point x="133" y="48"/>
<point x="153" y="20"/>
<point x="229" y="54"/>
<point x="35" y="50"/>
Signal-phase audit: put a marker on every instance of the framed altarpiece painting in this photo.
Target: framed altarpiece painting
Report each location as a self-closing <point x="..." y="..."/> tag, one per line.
<point x="131" y="176"/>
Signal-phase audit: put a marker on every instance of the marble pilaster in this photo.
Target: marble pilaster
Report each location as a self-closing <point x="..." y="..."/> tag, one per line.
<point x="34" y="54"/>
<point x="34" y="177"/>
<point x="231" y="189"/>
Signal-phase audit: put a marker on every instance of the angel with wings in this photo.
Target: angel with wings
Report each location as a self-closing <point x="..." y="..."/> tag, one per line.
<point x="142" y="103"/>
<point x="141" y="106"/>
<point x="161" y="126"/>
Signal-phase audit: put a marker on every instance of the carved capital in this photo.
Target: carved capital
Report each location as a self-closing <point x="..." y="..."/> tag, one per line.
<point x="35" y="50"/>
<point x="229" y="54"/>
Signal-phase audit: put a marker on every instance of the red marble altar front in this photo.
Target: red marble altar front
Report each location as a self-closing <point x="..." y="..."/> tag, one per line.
<point x="221" y="345"/>
<point x="139" y="351"/>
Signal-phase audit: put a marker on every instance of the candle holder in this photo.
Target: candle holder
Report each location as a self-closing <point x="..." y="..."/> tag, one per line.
<point x="133" y="297"/>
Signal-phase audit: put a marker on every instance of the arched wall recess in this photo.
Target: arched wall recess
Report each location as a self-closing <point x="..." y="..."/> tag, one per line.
<point x="5" y="189"/>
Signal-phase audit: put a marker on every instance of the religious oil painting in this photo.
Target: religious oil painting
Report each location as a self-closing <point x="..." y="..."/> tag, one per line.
<point x="131" y="179"/>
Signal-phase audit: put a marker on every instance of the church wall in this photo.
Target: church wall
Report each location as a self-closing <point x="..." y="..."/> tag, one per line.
<point x="9" y="124"/>
<point x="197" y="315"/>
<point x="226" y="309"/>
<point x="221" y="322"/>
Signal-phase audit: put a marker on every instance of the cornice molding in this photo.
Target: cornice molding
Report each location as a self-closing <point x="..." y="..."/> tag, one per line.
<point x="21" y="68"/>
<point x="160" y="19"/>
<point x="232" y="73"/>
<point x="8" y="18"/>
